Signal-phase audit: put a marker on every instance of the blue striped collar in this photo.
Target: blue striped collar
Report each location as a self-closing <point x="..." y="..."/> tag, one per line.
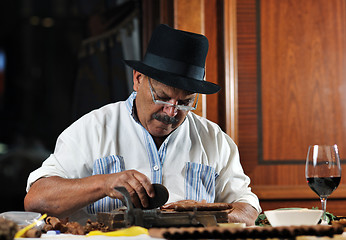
<point x="129" y="105"/>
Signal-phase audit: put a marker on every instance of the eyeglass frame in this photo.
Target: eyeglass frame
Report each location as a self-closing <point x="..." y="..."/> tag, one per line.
<point x="176" y="106"/>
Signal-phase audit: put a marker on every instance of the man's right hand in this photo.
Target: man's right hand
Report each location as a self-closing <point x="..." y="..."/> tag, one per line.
<point x="137" y="184"/>
<point x="61" y="197"/>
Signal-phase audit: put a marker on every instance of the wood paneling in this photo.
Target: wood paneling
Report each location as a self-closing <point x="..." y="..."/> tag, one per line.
<point x="273" y="197"/>
<point x="247" y="85"/>
<point x="167" y="12"/>
<point x="231" y="69"/>
<point x="303" y="77"/>
<point x="214" y="63"/>
<point x="289" y="192"/>
<point x="150" y="19"/>
<point x="291" y="80"/>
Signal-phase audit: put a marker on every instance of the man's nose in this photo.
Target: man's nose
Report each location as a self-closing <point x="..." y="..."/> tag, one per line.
<point x="170" y="110"/>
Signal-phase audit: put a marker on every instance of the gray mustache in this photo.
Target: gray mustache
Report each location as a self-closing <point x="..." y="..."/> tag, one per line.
<point x="165" y="119"/>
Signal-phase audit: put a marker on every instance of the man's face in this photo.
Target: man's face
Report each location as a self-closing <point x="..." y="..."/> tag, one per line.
<point x="159" y="120"/>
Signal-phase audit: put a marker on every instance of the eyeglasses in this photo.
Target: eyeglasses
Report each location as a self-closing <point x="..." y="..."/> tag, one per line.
<point x="185" y="107"/>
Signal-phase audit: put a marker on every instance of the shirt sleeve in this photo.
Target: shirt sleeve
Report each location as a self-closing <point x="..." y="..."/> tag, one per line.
<point x="67" y="161"/>
<point x="232" y="184"/>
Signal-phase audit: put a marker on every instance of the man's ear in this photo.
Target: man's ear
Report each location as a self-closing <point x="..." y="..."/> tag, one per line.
<point x="137" y="78"/>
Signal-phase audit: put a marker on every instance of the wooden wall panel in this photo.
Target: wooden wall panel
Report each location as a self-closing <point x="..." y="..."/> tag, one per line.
<point x="247" y="85"/>
<point x="231" y="68"/>
<point x="291" y="80"/>
<point x="214" y="64"/>
<point x="302" y="81"/>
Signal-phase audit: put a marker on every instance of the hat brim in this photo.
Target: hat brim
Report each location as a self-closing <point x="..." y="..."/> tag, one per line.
<point x="174" y="80"/>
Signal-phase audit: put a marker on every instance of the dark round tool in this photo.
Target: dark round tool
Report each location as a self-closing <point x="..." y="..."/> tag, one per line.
<point x="161" y="196"/>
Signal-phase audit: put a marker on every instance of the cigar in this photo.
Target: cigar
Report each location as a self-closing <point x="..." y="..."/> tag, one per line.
<point x="203" y="206"/>
<point x="32" y="233"/>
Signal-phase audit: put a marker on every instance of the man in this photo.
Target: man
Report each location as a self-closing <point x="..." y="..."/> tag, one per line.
<point x="153" y="137"/>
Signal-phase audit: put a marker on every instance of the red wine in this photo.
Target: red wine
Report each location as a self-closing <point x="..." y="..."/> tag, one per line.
<point x="323" y="186"/>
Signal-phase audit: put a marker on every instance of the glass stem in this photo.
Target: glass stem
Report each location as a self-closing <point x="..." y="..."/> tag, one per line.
<point x="324" y="205"/>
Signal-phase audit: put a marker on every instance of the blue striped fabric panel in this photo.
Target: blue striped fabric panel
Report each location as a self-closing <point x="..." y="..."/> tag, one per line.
<point x="200" y="182"/>
<point x="106" y="165"/>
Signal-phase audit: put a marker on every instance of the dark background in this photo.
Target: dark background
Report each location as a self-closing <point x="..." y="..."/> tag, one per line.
<point x="45" y="85"/>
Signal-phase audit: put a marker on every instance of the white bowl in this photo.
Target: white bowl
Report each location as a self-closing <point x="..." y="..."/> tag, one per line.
<point x="293" y="217"/>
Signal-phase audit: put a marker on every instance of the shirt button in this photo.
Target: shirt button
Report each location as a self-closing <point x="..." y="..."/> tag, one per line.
<point x="156" y="168"/>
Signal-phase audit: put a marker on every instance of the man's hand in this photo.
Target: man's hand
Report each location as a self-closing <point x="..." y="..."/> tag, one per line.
<point x="136" y="183"/>
<point x="244" y="213"/>
<point x="61" y="197"/>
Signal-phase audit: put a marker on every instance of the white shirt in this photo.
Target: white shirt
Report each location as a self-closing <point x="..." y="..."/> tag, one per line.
<point x="197" y="161"/>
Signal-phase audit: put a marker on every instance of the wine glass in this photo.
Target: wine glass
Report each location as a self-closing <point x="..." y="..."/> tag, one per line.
<point x="323" y="172"/>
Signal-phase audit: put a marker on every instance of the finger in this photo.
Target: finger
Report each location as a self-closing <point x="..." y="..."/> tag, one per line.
<point x="146" y="183"/>
<point x="140" y="192"/>
<point x="135" y="199"/>
<point x="114" y="193"/>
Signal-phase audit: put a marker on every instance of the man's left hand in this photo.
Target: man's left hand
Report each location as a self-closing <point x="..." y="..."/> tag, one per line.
<point x="243" y="213"/>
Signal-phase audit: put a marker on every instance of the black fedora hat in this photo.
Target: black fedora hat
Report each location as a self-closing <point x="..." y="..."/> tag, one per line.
<point x="177" y="59"/>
